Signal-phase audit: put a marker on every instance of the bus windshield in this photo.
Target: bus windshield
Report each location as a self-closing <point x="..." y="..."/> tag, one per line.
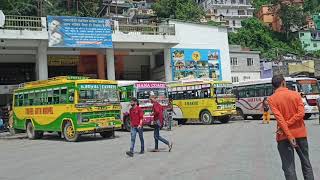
<point x="145" y="93"/>
<point x="98" y="96"/>
<point x="308" y="86"/>
<point x="223" y="89"/>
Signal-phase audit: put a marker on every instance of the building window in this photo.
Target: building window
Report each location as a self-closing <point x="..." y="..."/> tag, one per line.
<point x="241" y="1"/>
<point x="234" y="23"/>
<point x="227" y="22"/>
<point x="241" y="12"/>
<point x="215" y="11"/>
<point x="315" y="45"/>
<point x="249" y="61"/>
<point x="245" y="78"/>
<point x="233" y="1"/>
<point x="234" y="61"/>
<point x="235" y="79"/>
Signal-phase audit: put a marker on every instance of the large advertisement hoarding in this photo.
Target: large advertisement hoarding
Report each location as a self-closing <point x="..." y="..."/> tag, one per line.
<point x="196" y="63"/>
<point x="82" y="32"/>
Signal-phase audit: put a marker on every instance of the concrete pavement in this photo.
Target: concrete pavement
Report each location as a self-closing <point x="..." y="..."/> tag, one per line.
<point x="241" y="150"/>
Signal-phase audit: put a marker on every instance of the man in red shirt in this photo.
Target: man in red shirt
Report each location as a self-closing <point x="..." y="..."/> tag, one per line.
<point x="136" y="120"/>
<point x="158" y="122"/>
<point x="288" y="109"/>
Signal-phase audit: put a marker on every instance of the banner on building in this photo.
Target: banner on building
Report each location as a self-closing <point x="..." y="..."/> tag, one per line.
<point x="82" y="32"/>
<point x="196" y="63"/>
<point x="63" y="60"/>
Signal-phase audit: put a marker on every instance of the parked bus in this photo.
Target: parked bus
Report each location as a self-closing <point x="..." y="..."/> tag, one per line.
<point x="250" y="95"/>
<point x="69" y="105"/>
<point x="204" y="100"/>
<point x="141" y="90"/>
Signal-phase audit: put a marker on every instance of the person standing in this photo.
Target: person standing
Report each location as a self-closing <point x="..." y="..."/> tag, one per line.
<point x="158" y="122"/>
<point x="288" y="109"/>
<point x="318" y="104"/>
<point x="136" y="118"/>
<point x="266" y="113"/>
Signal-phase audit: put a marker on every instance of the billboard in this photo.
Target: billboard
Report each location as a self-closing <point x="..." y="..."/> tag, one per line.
<point x="81" y="32"/>
<point x="195" y="63"/>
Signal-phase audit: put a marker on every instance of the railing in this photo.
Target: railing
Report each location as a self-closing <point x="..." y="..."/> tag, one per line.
<point x="167" y="29"/>
<point x="23" y="23"/>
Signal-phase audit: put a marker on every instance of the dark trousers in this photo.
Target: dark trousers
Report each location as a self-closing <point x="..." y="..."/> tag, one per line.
<point x="134" y="131"/>
<point x="157" y="137"/>
<point x="287" y="157"/>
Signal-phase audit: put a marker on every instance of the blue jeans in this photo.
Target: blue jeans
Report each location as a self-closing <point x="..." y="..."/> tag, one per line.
<point x="157" y="137"/>
<point x="134" y="131"/>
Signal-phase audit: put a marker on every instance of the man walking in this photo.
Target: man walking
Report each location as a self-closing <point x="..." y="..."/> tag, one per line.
<point x="288" y="109"/>
<point x="158" y="122"/>
<point x="136" y="118"/>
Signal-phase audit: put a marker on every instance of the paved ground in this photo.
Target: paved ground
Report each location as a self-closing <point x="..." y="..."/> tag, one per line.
<point x="242" y="150"/>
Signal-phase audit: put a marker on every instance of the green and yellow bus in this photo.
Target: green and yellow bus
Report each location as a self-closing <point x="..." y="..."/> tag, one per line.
<point x="69" y="105"/>
<point x="204" y="100"/>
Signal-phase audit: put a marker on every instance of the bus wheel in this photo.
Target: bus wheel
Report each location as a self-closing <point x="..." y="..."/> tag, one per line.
<point x="225" y="119"/>
<point x="33" y="134"/>
<point x="257" y="117"/>
<point x="107" y="134"/>
<point x="307" y="116"/>
<point x="240" y="113"/>
<point x="127" y="124"/>
<point x="206" y="117"/>
<point x="69" y="133"/>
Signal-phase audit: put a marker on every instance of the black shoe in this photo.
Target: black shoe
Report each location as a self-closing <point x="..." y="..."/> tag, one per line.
<point x="129" y="153"/>
<point x="170" y="147"/>
<point x="141" y="152"/>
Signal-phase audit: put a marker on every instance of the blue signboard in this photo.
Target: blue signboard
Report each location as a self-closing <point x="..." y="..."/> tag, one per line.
<point x="83" y="32"/>
<point x="196" y="63"/>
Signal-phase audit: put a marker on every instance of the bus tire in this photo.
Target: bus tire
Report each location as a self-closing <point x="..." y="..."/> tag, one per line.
<point x="69" y="132"/>
<point x="307" y="116"/>
<point x="225" y="119"/>
<point x="127" y="124"/>
<point x="240" y="113"/>
<point x="257" y="117"/>
<point x="31" y="132"/>
<point x="107" y="134"/>
<point x="206" y="117"/>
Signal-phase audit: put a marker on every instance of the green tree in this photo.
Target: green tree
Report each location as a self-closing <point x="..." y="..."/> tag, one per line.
<point x="312" y="6"/>
<point x="178" y="9"/>
<point x="257" y="36"/>
<point x="51" y="7"/>
<point x="292" y="16"/>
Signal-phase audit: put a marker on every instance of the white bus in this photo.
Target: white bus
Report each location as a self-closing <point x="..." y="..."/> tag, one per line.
<point x="250" y="95"/>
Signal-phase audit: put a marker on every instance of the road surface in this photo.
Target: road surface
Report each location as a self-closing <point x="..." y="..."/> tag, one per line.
<point x="240" y="150"/>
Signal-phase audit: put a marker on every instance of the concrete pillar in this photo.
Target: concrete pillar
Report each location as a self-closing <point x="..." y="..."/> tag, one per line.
<point x="110" y="64"/>
<point x="41" y="61"/>
<point x="152" y="61"/>
<point x="101" y="66"/>
<point x="167" y="64"/>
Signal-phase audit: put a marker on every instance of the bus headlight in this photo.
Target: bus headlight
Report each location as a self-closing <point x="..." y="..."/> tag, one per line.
<point x="219" y="107"/>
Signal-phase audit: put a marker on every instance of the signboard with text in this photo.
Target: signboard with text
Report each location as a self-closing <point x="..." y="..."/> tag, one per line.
<point x="196" y="63"/>
<point x="82" y="32"/>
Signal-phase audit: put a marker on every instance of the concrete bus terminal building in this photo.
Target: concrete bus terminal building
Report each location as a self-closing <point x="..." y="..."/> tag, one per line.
<point x="166" y="52"/>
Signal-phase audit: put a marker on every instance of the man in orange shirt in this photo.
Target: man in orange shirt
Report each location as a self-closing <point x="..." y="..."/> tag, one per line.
<point x="288" y="109"/>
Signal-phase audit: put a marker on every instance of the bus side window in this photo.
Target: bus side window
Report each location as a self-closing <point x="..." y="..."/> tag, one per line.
<point x="63" y="96"/>
<point x="31" y="99"/>
<point x="16" y="100"/>
<point x="44" y="100"/>
<point x="56" y="94"/>
<point x="71" y="95"/>
<point x="20" y="100"/>
<point x="25" y="99"/>
<point x="269" y="89"/>
<point x="50" y="96"/>
<point x="37" y="98"/>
